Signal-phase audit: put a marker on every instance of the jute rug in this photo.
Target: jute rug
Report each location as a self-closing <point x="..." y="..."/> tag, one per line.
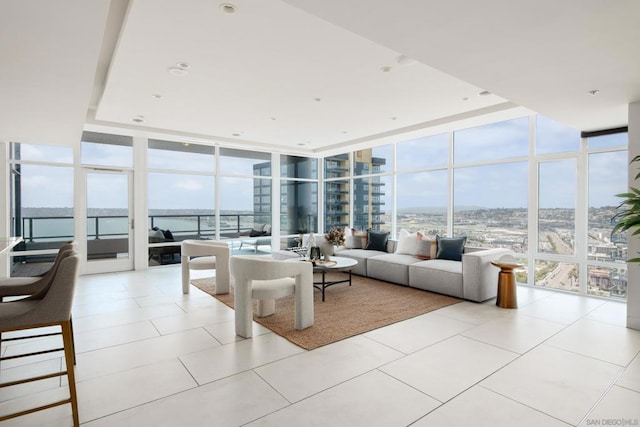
<point x="347" y="310"/>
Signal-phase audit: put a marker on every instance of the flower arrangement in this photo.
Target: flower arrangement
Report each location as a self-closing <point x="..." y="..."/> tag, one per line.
<point x="335" y="236"/>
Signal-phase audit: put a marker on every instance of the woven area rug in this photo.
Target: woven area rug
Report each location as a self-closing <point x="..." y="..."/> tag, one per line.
<point x="347" y="310"/>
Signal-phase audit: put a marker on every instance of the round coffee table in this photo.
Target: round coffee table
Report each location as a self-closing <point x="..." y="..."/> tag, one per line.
<point x="336" y="263"/>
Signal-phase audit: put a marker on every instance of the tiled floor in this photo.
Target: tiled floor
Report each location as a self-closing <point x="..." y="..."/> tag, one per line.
<point x="150" y="356"/>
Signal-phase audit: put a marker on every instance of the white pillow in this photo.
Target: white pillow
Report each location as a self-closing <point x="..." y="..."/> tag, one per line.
<point x="407" y="243"/>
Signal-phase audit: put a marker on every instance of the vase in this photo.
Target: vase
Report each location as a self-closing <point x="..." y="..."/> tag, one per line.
<point x="327" y="250"/>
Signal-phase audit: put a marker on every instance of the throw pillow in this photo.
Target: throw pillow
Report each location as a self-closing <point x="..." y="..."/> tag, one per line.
<point x="427" y="247"/>
<point x="407" y="243"/>
<point x="377" y="240"/>
<point x="353" y="242"/>
<point x="156" y="236"/>
<point x="168" y="235"/>
<point x="450" y="247"/>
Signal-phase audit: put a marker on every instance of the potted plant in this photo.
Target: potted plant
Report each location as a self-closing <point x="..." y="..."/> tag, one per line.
<point x="335" y="237"/>
<point x="628" y="216"/>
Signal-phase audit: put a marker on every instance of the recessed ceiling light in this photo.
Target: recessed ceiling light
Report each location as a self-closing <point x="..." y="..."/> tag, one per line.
<point x="405" y="60"/>
<point x="466" y="98"/>
<point x="594" y="92"/>
<point x="484" y="93"/>
<point x="235" y="134"/>
<point x="183" y="65"/>
<point x="273" y="118"/>
<point x="227" y="8"/>
<point x="177" y="71"/>
<point x="385" y="69"/>
<point x="394" y="118"/>
<point x="317" y="99"/>
<point x="138" y="119"/>
<point x="156" y="96"/>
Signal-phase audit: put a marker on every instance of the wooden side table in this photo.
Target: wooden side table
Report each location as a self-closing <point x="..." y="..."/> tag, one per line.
<point x="507" y="291"/>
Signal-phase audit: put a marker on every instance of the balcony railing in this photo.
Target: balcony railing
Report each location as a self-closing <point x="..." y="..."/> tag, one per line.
<point x="52" y="229"/>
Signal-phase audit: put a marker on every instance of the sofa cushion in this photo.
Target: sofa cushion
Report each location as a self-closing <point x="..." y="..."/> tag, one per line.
<point x="450" y="248"/>
<point x="360" y="255"/>
<point x="392" y="268"/>
<point x="437" y="275"/>
<point x="377" y="240"/>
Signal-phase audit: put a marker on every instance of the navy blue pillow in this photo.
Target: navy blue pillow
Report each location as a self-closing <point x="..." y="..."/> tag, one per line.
<point x="377" y="240"/>
<point x="450" y="248"/>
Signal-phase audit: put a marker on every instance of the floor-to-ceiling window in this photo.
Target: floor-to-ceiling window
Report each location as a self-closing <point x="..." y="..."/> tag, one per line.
<point x="298" y="195"/>
<point x="42" y="187"/>
<point x="337" y="194"/>
<point x="181" y="196"/>
<point x="606" y="252"/>
<point x="245" y="192"/>
<point x="372" y="188"/>
<point x="422" y="184"/>
<point x="529" y="184"/>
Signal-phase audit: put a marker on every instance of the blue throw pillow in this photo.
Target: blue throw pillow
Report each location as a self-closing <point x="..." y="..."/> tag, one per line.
<point x="450" y="248"/>
<point x="377" y="240"/>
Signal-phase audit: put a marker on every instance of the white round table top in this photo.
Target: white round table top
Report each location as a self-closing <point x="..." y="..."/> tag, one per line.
<point x="335" y="263"/>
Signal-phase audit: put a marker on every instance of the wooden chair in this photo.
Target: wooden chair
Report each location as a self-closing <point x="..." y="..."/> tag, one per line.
<point x="49" y="307"/>
<point x="206" y="255"/>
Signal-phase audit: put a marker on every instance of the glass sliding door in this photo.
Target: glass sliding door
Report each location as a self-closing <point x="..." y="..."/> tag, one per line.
<point x="109" y="220"/>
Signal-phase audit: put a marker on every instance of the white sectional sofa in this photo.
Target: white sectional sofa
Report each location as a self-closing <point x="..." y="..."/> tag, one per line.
<point x="473" y="278"/>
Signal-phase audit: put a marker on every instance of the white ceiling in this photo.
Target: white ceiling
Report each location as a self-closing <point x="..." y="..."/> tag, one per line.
<point x="305" y="75"/>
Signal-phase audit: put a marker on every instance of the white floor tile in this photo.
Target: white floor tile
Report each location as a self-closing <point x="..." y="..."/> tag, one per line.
<point x="193" y="319"/>
<point x="474" y="313"/>
<point x="373" y="399"/>
<point x="222" y="361"/>
<point x="480" y="407"/>
<point x="631" y="376"/>
<point x="108" y="337"/>
<point x="562" y="308"/>
<point x="418" y="332"/>
<point x="133" y="315"/>
<point x="516" y="333"/>
<point x="232" y="401"/>
<point x="200" y="373"/>
<point x="561" y="384"/>
<point x="603" y="341"/>
<point x="307" y="373"/>
<point x="611" y="312"/>
<point x="447" y="368"/>
<point x="132" y="355"/>
<point x="113" y="393"/>
<point x="619" y="407"/>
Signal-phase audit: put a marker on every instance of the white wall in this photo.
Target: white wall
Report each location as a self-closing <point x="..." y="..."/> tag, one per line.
<point x="633" y="274"/>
